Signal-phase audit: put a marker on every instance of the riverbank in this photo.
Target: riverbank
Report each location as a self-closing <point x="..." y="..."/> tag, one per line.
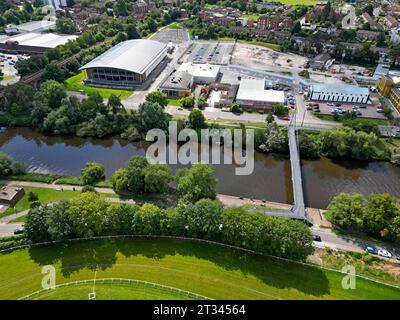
<point x="64" y="157"/>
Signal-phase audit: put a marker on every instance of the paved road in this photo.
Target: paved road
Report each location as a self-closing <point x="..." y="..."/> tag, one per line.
<point x="335" y="241"/>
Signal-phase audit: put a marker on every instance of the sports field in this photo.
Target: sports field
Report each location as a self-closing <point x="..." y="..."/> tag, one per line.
<point x="208" y="270"/>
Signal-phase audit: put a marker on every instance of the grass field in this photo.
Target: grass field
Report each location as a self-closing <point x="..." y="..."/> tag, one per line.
<point x="298" y="2"/>
<point x="109" y="292"/>
<point x="45" y="196"/>
<point x="208" y="270"/>
<point x="75" y="84"/>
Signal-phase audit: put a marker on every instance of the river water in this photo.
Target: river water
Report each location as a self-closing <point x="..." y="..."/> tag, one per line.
<point x="271" y="179"/>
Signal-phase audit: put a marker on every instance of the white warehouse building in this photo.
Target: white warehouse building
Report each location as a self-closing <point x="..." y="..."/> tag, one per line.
<point x="128" y="64"/>
<point x="339" y="93"/>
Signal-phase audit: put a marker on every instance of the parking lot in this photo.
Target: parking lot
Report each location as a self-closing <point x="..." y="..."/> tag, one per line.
<point x="175" y="36"/>
<point x="7" y="66"/>
<point x="365" y="110"/>
<point x="210" y="52"/>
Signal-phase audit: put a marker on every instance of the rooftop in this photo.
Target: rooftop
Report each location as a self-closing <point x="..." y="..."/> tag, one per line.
<point x="8" y="193"/>
<point x="33" y="26"/>
<point x="132" y="55"/>
<point x="340" y="88"/>
<point x="180" y="80"/>
<point x="43" y="40"/>
<point x="206" y="70"/>
<point x="254" y="90"/>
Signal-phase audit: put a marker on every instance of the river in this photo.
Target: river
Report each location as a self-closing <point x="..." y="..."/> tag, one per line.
<point x="271" y="179"/>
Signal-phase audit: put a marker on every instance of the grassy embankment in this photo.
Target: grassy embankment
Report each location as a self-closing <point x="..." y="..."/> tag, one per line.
<point x="209" y="270"/>
<point x="75" y="83"/>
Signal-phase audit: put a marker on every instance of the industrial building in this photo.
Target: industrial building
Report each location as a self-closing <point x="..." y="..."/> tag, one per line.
<point x="252" y="94"/>
<point x="33" y="42"/>
<point x="339" y="93"/>
<point x="127" y="64"/>
<point x="32" y="26"/>
<point x="388" y="87"/>
<point x="180" y="82"/>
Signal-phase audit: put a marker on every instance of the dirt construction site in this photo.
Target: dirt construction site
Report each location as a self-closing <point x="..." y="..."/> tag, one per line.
<point x="266" y="59"/>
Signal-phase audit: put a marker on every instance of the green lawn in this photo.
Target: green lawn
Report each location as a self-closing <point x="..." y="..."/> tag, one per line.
<point x="298" y="2"/>
<point x="77" y="181"/>
<point x="113" y="291"/>
<point x="174" y="102"/>
<point x="45" y="196"/>
<point x="208" y="270"/>
<point x="75" y="83"/>
<point x="251" y="16"/>
<point x="174" y="25"/>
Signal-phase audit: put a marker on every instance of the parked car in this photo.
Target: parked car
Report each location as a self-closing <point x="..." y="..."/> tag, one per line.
<point x="330" y="104"/>
<point x="19" y="230"/>
<point x="371" y="250"/>
<point x="355" y="108"/>
<point x="364" y="106"/>
<point x="316" y="237"/>
<point x="309" y="107"/>
<point x="316" y="110"/>
<point x="338" y="105"/>
<point x="384" y="253"/>
<point x="358" y="113"/>
<point x="379" y="110"/>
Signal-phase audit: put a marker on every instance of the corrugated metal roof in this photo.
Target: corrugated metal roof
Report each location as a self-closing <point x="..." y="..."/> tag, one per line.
<point x="254" y="90"/>
<point x="43" y="40"/>
<point x="132" y="55"/>
<point x="339" y="89"/>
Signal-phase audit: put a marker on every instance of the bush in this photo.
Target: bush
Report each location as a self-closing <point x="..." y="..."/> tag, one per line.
<point x="92" y="173"/>
<point x="88" y="188"/>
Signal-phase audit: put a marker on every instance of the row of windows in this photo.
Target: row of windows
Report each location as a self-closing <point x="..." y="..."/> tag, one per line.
<point x="111" y="71"/>
<point x="112" y="78"/>
<point x="341" y="94"/>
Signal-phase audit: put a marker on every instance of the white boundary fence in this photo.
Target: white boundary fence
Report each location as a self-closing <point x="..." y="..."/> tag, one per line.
<point x="123" y="281"/>
<point x="195" y="240"/>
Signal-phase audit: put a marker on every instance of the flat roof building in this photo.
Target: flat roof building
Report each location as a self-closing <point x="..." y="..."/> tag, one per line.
<point x="10" y="195"/>
<point x="32" y="26"/>
<point x="33" y="42"/>
<point x="127" y="64"/>
<point x="339" y="92"/>
<point x="252" y="94"/>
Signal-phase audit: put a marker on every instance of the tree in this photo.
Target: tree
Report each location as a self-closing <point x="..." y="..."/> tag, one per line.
<point x="197" y="119"/>
<point x="204" y="219"/>
<point x="59" y="225"/>
<point x="157" y="177"/>
<point x="35" y="228"/>
<point x="86" y="213"/>
<point x="150" y="116"/>
<point x="32" y="197"/>
<point x="9" y="166"/>
<point x="236" y="108"/>
<point x="346" y="210"/>
<point x="270" y="118"/>
<point x="148" y="220"/>
<point x="381" y="210"/>
<point x="120" y="8"/>
<point x="54" y="72"/>
<point x="92" y="172"/>
<point x="187" y="102"/>
<point x="19" y="94"/>
<point x="65" y="25"/>
<point x="197" y="183"/>
<point x="279" y="109"/>
<point x="132" y="32"/>
<point x="53" y="92"/>
<point x="275" y="139"/>
<point x="114" y="103"/>
<point x="119" y="180"/>
<point x="157" y="97"/>
<point x="135" y="171"/>
<point x="309" y="146"/>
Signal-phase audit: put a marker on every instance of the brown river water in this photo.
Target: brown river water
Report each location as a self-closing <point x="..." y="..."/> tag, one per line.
<point x="271" y="179"/>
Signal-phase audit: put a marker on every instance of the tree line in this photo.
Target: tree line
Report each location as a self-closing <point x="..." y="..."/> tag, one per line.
<point x="88" y="215"/>
<point x="377" y="215"/>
